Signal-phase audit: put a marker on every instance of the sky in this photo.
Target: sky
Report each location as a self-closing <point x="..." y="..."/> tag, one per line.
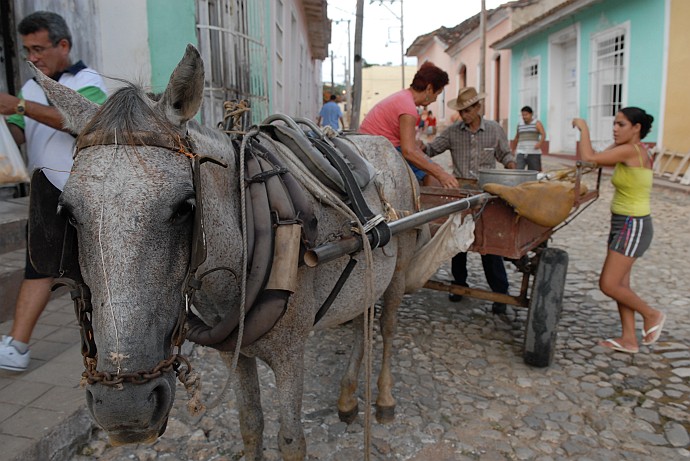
<point x="381" y="32"/>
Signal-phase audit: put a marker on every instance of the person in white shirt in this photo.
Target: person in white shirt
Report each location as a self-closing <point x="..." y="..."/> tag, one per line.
<point x="47" y="42"/>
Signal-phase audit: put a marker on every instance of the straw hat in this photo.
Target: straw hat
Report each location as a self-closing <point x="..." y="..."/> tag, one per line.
<point x="466" y="97"/>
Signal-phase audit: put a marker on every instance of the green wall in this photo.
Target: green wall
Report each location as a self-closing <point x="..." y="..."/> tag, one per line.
<point x="172" y="25"/>
<point x="645" y="48"/>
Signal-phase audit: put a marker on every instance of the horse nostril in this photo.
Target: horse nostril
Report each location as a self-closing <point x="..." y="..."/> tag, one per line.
<point x="90" y="399"/>
<point x="159" y="398"/>
<point x="163" y="427"/>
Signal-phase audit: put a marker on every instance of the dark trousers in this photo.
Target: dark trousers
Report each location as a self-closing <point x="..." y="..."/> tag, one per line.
<point x="531" y="161"/>
<point x="494" y="270"/>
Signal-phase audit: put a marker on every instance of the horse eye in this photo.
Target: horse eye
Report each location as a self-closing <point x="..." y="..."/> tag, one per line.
<point x="183" y="212"/>
<point x="65" y="212"/>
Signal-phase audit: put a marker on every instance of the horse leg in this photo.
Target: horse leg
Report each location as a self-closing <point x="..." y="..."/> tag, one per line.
<point x="249" y="404"/>
<point x="289" y="374"/>
<point x="392" y="297"/>
<point x="347" y="402"/>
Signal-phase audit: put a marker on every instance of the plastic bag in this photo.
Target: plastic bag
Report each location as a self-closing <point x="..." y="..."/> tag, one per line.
<point x="12" y="168"/>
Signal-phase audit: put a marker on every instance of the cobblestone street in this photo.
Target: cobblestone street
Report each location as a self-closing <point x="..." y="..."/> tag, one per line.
<point x="462" y="389"/>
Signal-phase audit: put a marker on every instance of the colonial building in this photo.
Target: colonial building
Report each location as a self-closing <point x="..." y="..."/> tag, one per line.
<point x="266" y="51"/>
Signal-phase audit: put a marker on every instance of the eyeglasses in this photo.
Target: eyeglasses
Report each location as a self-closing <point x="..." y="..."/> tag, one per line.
<point x="35" y="50"/>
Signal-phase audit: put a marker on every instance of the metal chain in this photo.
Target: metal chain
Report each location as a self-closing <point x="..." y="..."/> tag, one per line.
<point x="176" y="362"/>
<point x="93" y="376"/>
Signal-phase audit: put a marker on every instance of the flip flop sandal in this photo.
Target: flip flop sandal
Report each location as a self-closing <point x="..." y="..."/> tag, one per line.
<point x="616" y="346"/>
<point x="655" y="331"/>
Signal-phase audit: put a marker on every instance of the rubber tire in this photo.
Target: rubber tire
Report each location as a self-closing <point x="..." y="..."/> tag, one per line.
<point x="545" y="307"/>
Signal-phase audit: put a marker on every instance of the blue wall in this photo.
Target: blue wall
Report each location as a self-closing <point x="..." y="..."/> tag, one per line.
<point x="172" y="25"/>
<point x="645" y="52"/>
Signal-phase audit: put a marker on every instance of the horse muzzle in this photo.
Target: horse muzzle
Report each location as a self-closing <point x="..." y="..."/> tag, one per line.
<point x="132" y="413"/>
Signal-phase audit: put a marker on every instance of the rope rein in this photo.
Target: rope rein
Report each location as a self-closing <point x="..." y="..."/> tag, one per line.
<point x="234" y="110"/>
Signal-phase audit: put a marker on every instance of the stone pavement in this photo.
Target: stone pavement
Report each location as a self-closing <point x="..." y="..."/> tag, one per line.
<point x="462" y="389"/>
<point x="42" y="411"/>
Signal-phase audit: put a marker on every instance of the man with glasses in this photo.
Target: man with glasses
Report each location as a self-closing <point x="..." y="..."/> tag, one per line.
<point x="47" y="42"/>
<point x="475" y="143"/>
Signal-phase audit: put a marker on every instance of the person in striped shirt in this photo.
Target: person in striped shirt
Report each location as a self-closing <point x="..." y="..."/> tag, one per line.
<point x="529" y="138"/>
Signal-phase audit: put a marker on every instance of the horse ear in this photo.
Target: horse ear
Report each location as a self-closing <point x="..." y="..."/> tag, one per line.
<point x="75" y="108"/>
<point x="182" y="98"/>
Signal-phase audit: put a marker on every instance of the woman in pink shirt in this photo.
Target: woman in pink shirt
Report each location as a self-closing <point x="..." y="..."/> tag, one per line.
<point x="395" y="118"/>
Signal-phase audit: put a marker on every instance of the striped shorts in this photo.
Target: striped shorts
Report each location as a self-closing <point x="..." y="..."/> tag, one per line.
<point x="630" y="235"/>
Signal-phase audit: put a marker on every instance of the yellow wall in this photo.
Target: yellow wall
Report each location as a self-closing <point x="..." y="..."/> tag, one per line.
<point x="675" y="136"/>
<point x="378" y="82"/>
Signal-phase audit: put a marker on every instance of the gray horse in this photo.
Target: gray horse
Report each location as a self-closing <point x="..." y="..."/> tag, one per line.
<point x="133" y="206"/>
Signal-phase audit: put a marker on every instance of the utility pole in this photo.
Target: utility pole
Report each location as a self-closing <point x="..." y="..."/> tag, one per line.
<point x="348" y="86"/>
<point x="482" y="47"/>
<point x="402" y="37"/>
<point x="332" y="79"/>
<point x="402" y="46"/>
<point x="357" y="90"/>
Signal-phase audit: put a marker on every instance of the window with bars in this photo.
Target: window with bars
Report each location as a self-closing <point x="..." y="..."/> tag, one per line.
<point x="279" y="53"/>
<point x="232" y="45"/>
<point x="607" y="81"/>
<point x="529" y="89"/>
<point x="610" y="53"/>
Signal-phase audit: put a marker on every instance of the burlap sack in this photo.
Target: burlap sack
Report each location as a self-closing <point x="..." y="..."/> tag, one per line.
<point x="547" y="203"/>
<point x="454" y="236"/>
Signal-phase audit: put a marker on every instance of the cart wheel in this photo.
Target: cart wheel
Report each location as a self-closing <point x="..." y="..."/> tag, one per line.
<point x="545" y="307"/>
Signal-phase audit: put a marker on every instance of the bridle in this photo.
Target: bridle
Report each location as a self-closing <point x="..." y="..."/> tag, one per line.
<point x="80" y="292"/>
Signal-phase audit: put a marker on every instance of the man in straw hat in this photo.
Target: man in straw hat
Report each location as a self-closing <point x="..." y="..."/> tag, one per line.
<point x="475" y="143"/>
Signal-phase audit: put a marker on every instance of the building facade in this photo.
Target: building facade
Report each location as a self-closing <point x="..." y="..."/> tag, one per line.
<point x="458" y="50"/>
<point x="589" y="58"/>
<point x="266" y="51"/>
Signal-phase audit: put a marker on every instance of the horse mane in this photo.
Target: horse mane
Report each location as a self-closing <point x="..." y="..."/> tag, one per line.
<point x="124" y="114"/>
<point x="130" y="108"/>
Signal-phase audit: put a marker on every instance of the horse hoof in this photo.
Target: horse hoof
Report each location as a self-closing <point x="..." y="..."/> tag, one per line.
<point x="385" y="415"/>
<point x="348" y="416"/>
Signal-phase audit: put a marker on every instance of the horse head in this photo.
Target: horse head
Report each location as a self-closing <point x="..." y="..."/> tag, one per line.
<point x="131" y="197"/>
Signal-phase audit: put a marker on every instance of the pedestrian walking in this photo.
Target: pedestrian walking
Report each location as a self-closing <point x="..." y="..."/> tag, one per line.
<point x="47" y="43"/>
<point x="330" y="114"/>
<point x="631" y="222"/>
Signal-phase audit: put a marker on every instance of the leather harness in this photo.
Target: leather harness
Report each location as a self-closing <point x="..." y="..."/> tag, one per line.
<point x="264" y="174"/>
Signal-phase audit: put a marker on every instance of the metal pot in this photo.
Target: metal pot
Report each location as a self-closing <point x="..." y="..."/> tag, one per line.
<point x="506" y="177"/>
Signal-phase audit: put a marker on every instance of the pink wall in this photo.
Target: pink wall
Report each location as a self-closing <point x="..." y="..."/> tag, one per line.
<point x="466" y="52"/>
<point x="435" y="52"/>
<point x="497" y="69"/>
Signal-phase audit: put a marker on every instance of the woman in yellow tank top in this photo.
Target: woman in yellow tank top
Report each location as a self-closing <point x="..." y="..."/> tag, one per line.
<point x="631" y="223"/>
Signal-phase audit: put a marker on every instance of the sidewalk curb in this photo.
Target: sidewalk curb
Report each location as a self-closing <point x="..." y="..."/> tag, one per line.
<point x="61" y="443"/>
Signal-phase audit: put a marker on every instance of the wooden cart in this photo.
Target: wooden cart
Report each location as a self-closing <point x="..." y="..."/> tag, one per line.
<point x="499" y="231"/>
